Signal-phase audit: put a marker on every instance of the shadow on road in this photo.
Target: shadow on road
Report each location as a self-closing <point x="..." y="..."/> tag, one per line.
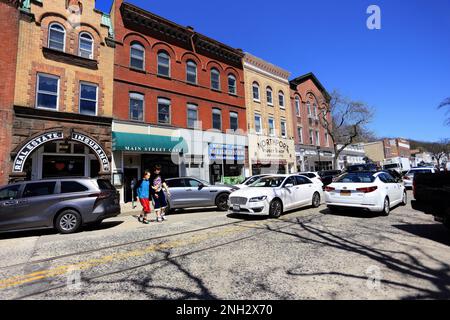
<point x="245" y="217"/>
<point x="351" y="213"/>
<point x="435" y="232"/>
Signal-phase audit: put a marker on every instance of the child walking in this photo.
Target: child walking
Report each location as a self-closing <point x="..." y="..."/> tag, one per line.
<point x="143" y="195"/>
<point x="159" y="198"/>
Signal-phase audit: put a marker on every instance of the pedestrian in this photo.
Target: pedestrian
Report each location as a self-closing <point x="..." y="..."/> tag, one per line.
<point x="158" y="185"/>
<point x="143" y="195"/>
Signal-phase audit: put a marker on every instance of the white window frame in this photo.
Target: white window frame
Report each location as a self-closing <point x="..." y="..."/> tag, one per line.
<point x="283" y="124"/>
<point x="234" y="115"/>
<point x="281" y="98"/>
<point x="297" y="106"/>
<point x="271" y="120"/>
<point x="47" y="92"/>
<point x="327" y="140"/>
<point x="217" y="111"/>
<point x="166" y="101"/>
<point x="317" y="138"/>
<point x="217" y="72"/>
<point x="269" y="103"/>
<point x="49" y="37"/>
<point x="311" y="137"/>
<point x="91" y="55"/>
<point x="96" y="96"/>
<point x="257" y="115"/>
<point x="300" y="134"/>
<point x="231" y="76"/>
<point x="256" y="85"/>
<point x="143" y="105"/>
<point x="191" y="63"/>
<point x="308" y="108"/>
<point x="137" y="46"/>
<point x="158" y="63"/>
<point x="192" y="106"/>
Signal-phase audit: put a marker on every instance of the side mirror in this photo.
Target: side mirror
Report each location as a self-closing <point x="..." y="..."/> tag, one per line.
<point x="201" y="186"/>
<point x="289" y="185"/>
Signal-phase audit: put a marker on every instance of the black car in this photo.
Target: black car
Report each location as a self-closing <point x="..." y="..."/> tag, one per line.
<point x="368" y="167"/>
<point x="328" y="176"/>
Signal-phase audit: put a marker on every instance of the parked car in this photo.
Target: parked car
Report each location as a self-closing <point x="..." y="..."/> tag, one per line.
<point x="273" y="195"/>
<point x="248" y="181"/>
<point x="313" y="176"/>
<point x="408" y="178"/>
<point x="362" y="167"/>
<point x="187" y="192"/>
<point x="432" y="195"/>
<point x="372" y="191"/>
<point x="64" y="204"/>
<point x="328" y="176"/>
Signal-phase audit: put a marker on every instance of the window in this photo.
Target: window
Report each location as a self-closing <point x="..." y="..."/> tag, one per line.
<point x="86" y="46"/>
<point x="311" y="138"/>
<point x="290" y="180"/>
<point x="269" y="96"/>
<point x="258" y="128"/>
<point x="176" y="183"/>
<point x="232" y="84"/>
<point x="137" y="56"/>
<point x="302" y="180"/>
<point x="88" y="99"/>
<point x="192" y="115"/>
<point x="283" y="128"/>
<point x="300" y="134"/>
<point x="39" y="189"/>
<point x="281" y="99"/>
<point x="234" y="123"/>
<point x="72" y="187"/>
<point x="191" y="72"/>
<point x="315" y="110"/>
<point x="47" y="92"/>
<point x="163" y="64"/>
<point x="326" y="140"/>
<point x="56" y="37"/>
<point x="215" y="79"/>
<point x="9" y="193"/>
<point x="297" y="106"/>
<point x="136" y="106"/>
<point x="271" y="127"/>
<point x="163" y="111"/>
<point x="308" y="106"/>
<point x="217" y="119"/>
<point x="255" y="91"/>
<point x="317" y="138"/>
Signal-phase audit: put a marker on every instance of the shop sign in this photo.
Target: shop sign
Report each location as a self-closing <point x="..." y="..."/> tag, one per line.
<point x="274" y="148"/>
<point x="28" y="149"/>
<point x="95" y="147"/>
<point x="226" y="152"/>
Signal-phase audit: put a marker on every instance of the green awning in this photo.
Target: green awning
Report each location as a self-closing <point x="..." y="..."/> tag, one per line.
<point x="147" y="143"/>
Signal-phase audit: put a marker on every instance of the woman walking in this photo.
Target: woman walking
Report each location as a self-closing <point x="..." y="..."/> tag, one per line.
<point x="159" y="184"/>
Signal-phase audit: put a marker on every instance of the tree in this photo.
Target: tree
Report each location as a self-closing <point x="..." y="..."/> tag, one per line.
<point x="345" y="121"/>
<point x="440" y="150"/>
<point x="446" y="104"/>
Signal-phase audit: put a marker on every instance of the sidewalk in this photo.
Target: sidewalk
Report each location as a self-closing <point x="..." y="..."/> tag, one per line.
<point x="126" y="209"/>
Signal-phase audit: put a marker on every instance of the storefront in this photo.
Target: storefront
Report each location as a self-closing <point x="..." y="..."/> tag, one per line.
<point x="271" y="155"/>
<point x="313" y="159"/>
<point x="227" y="163"/>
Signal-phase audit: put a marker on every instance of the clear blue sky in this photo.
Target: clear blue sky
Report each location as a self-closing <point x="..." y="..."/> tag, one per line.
<point x="402" y="70"/>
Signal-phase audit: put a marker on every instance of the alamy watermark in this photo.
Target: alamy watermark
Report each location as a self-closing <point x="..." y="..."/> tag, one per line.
<point x="374" y="20"/>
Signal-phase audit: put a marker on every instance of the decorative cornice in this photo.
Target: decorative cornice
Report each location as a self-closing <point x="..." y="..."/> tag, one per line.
<point x="258" y="63"/>
<point x="310" y="76"/>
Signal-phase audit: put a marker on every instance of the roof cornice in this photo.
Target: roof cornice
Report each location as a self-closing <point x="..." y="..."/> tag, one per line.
<point x="267" y="67"/>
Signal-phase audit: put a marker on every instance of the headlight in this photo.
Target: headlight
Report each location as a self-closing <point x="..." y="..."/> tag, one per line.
<point x="258" y="199"/>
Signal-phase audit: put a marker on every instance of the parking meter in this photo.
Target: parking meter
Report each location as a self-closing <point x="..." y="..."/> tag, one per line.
<point x="133" y="185"/>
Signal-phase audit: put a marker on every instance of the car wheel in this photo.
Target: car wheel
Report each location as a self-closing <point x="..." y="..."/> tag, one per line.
<point x="222" y="202"/>
<point x="404" y="199"/>
<point x="316" y="200"/>
<point x="275" y="208"/>
<point x="386" y="207"/>
<point x="68" y="221"/>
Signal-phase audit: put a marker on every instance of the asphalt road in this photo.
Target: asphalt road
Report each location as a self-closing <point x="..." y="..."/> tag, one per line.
<point x="307" y="254"/>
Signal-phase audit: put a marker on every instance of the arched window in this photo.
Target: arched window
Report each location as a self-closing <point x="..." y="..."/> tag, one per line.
<point x="215" y="79"/>
<point x="232" y="84"/>
<point x="315" y="110"/>
<point x="308" y="107"/>
<point x="269" y="96"/>
<point x="163" y="111"/>
<point x="191" y="72"/>
<point x="297" y="106"/>
<point x="256" y="91"/>
<point x="163" y="64"/>
<point x="56" y="37"/>
<point x="281" y="99"/>
<point x="86" y="46"/>
<point x="217" y="119"/>
<point x="136" y="106"/>
<point x="137" y="56"/>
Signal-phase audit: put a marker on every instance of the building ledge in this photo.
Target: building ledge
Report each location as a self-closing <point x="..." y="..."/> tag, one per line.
<point x="69" y="58"/>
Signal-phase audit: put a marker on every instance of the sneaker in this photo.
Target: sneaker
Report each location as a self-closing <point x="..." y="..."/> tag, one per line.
<point x="159" y="219"/>
<point x="141" y="219"/>
<point x="164" y="218"/>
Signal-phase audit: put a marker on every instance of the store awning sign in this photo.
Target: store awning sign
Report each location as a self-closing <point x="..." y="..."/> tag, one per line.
<point x="133" y="142"/>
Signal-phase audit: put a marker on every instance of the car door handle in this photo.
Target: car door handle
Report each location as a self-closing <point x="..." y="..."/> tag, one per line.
<point x="10" y="203"/>
<point x="188" y="189"/>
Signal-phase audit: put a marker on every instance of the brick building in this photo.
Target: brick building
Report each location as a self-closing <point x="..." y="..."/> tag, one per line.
<point x="314" y="147"/>
<point x="178" y="101"/>
<point x="63" y="91"/>
<point x="9" y="30"/>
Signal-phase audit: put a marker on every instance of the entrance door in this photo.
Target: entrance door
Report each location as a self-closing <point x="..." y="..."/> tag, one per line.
<point x="130" y="175"/>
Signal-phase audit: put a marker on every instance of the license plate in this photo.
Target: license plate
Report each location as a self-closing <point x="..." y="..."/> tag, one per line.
<point x="236" y="207"/>
<point x="346" y="193"/>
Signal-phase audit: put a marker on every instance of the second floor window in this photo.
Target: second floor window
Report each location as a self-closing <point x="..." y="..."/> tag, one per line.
<point x="283" y="129"/>
<point x="163" y="64"/>
<point x="281" y="99"/>
<point x="234" y="123"/>
<point x="271" y="127"/>
<point x="88" y="99"/>
<point x="136" y="106"/>
<point x="255" y="91"/>
<point x="215" y="79"/>
<point x="163" y="111"/>
<point x="217" y="119"/>
<point x="269" y="96"/>
<point x="297" y="106"/>
<point x="47" y="92"/>
<point x="308" y="106"/>
<point x="192" y="116"/>
<point x="232" y="84"/>
<point x="137" y="56"/>
<point x="56" y="37"/>
<point x="86" y="46"/>
<point x="258" y="128"/>
<point x="191" y="72"/>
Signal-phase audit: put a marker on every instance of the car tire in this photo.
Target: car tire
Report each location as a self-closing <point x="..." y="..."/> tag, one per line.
<point x="222" y="202"/>
<point x="316" y="200"/>
<point x="405" y="199"/>
<point x="68" y="221"/>
<point x="275" y="208"/>
<point x="386" y="207"/>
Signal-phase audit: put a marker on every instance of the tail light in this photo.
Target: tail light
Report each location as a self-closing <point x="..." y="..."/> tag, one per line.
<point x="406" y="178"/>
<point x="329" y="189"/>
<point x="367" y="190"/>
<point x="101" y="195"/>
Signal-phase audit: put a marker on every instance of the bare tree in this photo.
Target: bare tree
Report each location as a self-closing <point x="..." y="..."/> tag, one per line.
<point x="446" y="104"/>
<point x="439" y="150"/>
<point x="345" y="121"/>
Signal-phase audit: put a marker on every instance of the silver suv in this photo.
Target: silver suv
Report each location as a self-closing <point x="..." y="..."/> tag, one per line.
<point x="64" y="204"/>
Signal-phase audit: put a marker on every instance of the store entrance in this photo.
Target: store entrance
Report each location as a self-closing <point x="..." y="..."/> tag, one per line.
<point x="168" y="168"/>
<point x="131" y="177"/>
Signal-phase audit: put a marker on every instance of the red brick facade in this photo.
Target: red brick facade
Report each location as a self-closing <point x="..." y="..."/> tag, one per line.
<point x="175" y="88"/>
<point x="9" y="26"/>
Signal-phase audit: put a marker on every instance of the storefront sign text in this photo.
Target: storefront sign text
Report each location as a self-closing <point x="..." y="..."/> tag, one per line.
<point x="95" y="147"/>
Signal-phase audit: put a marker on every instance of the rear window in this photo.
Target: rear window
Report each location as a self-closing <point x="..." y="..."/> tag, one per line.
<point x="356" y="178"/>
<point x="72" y="187"/>
<point x="105" y="185"/>
<point x="413" y="172"/>
<point x="39" y="189"/>
<point x="309" y="175"/>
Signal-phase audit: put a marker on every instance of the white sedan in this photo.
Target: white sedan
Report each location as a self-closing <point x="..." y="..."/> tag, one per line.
<point x="273" y="195"/>
<point x="373" y="191"/>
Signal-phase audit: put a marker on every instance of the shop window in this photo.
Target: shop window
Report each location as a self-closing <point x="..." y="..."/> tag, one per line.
<point x="79" y="148"/>
<point x="38" y="189"/>
<point x="191" y="72"/>
<point x="56" y="37"/>
<point x="163" y="111"/>
<point x="50" y="147"/>
<point x="63" y="166"/>
<point x="136" y="106"/>
<point x="217" y="119"/>
<point x="88" y="99"/>
<point x="232" y="84"/>
<point x="72" y="187"/>
<point x="215" y="79"/>
<point x="47" y="91"/>
<point x="86" y="46"/>
<point x="234" y="122"/>
<point x="269" y="96"/>
<point x="137" y="56"/>
<point x="163" y="64"/>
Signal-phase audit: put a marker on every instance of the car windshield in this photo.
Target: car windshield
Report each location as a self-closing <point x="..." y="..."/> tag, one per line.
<point x="268" y="182"/>
<point x="413" y="172"/>
<point x="251" y="180"/>
<point x="391" y="166"/>
<point x="356" y="178"/>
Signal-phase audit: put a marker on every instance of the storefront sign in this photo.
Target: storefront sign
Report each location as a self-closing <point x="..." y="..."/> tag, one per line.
<point x="271" y="150"/>
<point x="23" y="154"/>
<point x="95" y="147"/>
<point x="274" y="146"/>
<point x="226" y="152"/>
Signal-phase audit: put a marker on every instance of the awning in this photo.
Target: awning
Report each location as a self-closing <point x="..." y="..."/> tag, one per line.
<point x="147" y="143"/>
